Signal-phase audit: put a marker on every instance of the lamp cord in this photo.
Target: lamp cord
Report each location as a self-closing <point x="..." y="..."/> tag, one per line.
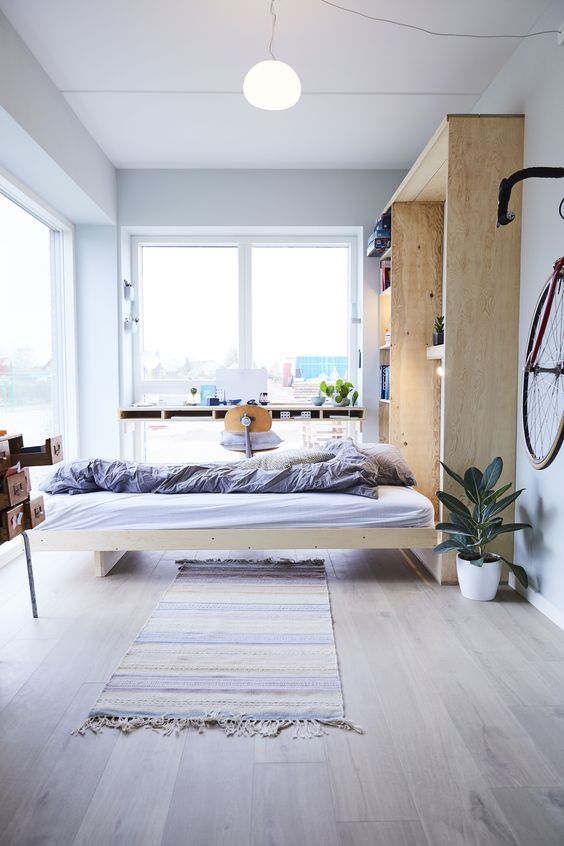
<point x="271" y="45"/>
<point x="431" y="31"/>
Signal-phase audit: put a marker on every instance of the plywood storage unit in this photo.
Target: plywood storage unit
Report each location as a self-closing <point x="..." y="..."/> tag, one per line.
<point x="417" y="260"/>
<point x="471" y="417"/>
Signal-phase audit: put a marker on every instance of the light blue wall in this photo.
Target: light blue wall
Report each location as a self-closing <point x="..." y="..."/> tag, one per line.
<point x="532" y="82"/>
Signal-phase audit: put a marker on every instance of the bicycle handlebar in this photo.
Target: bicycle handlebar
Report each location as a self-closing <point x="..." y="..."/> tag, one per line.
<point x="503" y="215"/>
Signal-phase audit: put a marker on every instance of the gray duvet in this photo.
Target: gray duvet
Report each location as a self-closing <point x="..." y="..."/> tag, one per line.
<point x="348" y="472"/>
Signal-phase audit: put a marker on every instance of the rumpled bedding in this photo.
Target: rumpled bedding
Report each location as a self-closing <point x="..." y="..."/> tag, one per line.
<point x="350" y="471"/>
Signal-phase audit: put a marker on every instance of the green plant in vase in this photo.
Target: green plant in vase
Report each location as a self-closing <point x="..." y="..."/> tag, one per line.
<point x="339" y="392"/>
<point x="474" y="525"/>
<point x="193" y="391"/>
<point x="439" y="330"/>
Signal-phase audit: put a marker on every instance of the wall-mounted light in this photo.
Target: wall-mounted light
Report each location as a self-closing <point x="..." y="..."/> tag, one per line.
<point x="131" y="324"/>
<point x="272" y="85"/>
<point x="128" y="291"/>
<point x="440" y="371"/>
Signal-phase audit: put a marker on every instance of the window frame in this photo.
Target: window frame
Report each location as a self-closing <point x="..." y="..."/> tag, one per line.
<point x="63" y="303"/>
<point x="244" y="241"/>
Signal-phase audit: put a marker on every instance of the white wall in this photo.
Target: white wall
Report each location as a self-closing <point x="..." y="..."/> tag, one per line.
<point x="43" y="143"/>
<point x="282" y="198"/>
<point x="532" y="82"/>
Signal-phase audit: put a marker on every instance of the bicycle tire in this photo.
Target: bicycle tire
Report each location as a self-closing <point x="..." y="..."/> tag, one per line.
<point x="543" y="446"/>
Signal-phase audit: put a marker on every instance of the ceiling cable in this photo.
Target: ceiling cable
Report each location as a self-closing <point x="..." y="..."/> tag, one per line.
<point x="431" y="31"/>
<point x="271" y="45"/>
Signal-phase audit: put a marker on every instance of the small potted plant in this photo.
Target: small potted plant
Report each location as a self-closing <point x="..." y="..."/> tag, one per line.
<point x="472" y="528"/>
<point x="339" y="392"/>
<point x="439" y="330"/>
<point x="193" y="391"/>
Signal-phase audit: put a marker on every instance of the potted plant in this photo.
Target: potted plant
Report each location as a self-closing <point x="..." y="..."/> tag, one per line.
<point x="339" y="392"/>
<point x="193" y="391"/>
<point x="472" y="528"/>
<point x="439" y="330"/>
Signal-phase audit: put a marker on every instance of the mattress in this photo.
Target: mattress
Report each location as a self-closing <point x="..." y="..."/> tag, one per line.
<point x="396" y="507"/>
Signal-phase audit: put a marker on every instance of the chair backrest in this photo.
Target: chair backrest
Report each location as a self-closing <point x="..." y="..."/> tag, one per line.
<point x="261" y="419"/>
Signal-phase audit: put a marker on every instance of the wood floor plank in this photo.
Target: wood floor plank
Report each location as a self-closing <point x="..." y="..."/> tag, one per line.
<point x="63" y="779"/>
<point x="382" y="834"/>
<point x="537" y="815"/>
<point x="504" y="752"/>
<point x="212" y="798"/>
<point x="84" y="654"/>
<point x="131" y="801"/>
<point x="367" y="778"/>
<point x="546" y="727"/>
<point x="292" y="805"/>
<point x="455" y="806"/>
<point x="19" y="659"/>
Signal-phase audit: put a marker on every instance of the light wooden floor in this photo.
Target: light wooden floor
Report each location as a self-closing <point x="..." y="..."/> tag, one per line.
<point x="462" y="703"/>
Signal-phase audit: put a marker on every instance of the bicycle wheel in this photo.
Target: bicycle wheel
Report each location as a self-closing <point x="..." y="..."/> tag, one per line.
<point x="543" y="379"/>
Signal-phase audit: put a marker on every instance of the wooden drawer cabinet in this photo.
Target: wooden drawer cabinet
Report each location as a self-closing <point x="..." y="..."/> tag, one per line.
<point x="34" y="512"/>
<point x="13" y="489"/>
<point x="12" y="522"/>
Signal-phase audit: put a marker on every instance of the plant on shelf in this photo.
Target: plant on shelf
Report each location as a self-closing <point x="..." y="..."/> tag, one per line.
<point x="193" y="391"/>
<point x="339" y="392"/>
<point x="472" y="528"/>
<point x="439" y="330"/>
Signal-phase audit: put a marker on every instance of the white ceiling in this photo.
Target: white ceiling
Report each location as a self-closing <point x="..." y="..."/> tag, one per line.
<point x="158" y="84"/>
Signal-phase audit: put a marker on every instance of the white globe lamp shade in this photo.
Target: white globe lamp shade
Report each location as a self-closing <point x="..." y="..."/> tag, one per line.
<point x="272" y="85"/>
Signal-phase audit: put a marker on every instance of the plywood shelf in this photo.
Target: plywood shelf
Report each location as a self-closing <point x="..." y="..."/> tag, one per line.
<point x="436" y="351"/>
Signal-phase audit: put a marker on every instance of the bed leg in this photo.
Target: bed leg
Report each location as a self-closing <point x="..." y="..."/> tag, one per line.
<point x="104" y="561"/>
<point x="30" y="578"/>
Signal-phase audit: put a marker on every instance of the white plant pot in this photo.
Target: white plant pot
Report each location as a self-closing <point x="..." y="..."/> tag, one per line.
<point x="478" y="582"/>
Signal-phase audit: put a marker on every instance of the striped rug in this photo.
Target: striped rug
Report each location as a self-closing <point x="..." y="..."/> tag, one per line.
<point x="246" y="646"/>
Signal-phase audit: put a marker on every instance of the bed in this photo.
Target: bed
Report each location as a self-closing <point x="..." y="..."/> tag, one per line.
<point x="109" y="524"/>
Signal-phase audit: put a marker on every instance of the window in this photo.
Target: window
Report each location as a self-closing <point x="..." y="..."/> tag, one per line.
<point x="300" y="317"/>
<point x="282" y="304"/>
<point x="32" y="348"/>
<point x="190" y="308"/>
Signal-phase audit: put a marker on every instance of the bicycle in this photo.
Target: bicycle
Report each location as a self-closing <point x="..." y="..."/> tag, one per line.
<point x="542" y="409"/>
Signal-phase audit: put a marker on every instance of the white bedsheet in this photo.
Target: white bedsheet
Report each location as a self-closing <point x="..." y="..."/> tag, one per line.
<point x="396" y="507"/>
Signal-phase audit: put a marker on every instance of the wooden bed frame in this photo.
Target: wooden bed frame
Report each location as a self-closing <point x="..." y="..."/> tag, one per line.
<point x="109" y="546"/>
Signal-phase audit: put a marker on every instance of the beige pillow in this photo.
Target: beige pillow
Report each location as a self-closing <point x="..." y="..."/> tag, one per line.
<point x="390" y="466"/>
<point x="281" y="459"/>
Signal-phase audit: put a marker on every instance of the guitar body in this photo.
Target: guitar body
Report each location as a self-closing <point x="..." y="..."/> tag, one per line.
<point x="261" y="419"/>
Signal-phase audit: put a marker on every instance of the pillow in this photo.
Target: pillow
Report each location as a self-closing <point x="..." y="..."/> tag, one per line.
<point x="259" y="440"/>
<point x="281" y="459"/>
<point x="390" y="466"/>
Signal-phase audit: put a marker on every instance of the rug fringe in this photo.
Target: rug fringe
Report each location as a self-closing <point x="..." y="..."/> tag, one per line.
<point x="183" y="561"/>
<point x="232" y="726"/>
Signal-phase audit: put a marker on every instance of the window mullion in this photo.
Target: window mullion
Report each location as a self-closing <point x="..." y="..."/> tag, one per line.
<point x="245" y="305"/>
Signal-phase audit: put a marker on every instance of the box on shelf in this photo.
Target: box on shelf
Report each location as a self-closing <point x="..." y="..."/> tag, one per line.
<point x="51" y="452"/>
<point x="11" y="522"/>
<point x="34" y="512"/>
<point x="381" y="237"/>
<point x="13" y="489"/>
